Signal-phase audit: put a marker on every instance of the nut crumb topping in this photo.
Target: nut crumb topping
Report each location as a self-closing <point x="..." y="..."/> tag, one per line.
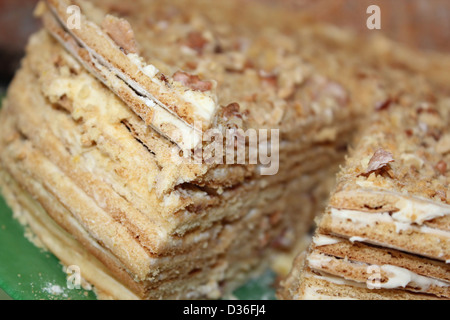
<point x="196" y="41"/>
<point x="443" y="146"/>
<point x="380" y="160"/>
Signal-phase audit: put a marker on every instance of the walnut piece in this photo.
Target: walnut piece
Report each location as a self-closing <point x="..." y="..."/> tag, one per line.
<point x="192" y="82"/>
<point x="121" y="33"/>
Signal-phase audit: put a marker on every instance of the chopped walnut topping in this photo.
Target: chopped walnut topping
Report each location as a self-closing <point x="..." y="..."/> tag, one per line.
<point x="412" y="160"/>
<point x="269" y="78"/>
<point x="192" y="81"/>
<point x="442" y="166"/>
<point x="441" y="194"/>
<point x="379" y="160"/>
<point x="325" y="90"/>
<point x="121" y="8"/>
<point x="86" y="142"/>
<point x="191" y="65"/>
<point x="443" y="146"/>
<point x="235" y="61"/>
<point x="121" y="33"/>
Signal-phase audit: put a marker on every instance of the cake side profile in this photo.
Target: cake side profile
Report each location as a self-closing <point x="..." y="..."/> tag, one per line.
<point x="107" y="192"/>
<point x="92" y="159"/>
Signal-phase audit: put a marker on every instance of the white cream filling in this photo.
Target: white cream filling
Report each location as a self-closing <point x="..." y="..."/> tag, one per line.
<point x="433" y="231"/>
<point x="365" y="183"/>
<point x="362" y="217"/>
<point x="150" y="70"/>
<point x="187" y="137"/>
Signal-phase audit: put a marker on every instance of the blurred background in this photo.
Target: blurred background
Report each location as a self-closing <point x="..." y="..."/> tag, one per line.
<point x="422" y="24"/>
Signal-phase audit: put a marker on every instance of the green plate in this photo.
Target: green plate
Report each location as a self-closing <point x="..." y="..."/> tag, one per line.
<point x="29" y="273"/>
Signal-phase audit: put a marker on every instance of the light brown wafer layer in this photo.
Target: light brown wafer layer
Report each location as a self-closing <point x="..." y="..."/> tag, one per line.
<point x="388" y="195"/>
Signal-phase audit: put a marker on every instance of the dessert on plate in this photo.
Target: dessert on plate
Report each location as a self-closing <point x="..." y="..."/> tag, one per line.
<point x="385" y="233"/>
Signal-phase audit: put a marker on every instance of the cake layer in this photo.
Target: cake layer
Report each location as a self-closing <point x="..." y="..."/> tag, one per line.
<point x="326" y="287"/>
<point x="386" y="229"/>
<point x="378" y="268"/>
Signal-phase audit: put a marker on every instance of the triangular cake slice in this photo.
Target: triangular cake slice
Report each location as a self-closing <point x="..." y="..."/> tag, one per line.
<point x="386" y="232"/>
<point x="107" y="193"/>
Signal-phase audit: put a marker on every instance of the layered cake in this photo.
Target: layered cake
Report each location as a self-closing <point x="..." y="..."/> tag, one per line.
<point x="172" y="150"/>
